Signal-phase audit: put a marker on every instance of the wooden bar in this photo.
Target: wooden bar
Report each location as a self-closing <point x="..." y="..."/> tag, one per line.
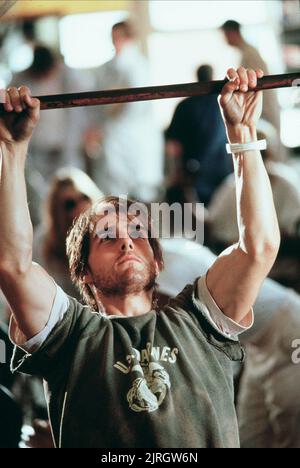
<point x="126" y="95"/>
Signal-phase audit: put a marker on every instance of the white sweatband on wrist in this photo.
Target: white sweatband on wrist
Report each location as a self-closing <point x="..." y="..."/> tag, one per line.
<point x="243" y="147"/>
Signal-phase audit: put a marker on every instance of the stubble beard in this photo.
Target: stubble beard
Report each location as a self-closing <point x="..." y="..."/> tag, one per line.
<point x="132" y="281"/>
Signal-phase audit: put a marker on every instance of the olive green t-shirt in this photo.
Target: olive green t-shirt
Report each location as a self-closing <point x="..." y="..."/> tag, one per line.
<point x="159" y="380"/>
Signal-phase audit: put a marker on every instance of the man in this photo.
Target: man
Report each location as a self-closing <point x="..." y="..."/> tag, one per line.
<point x="251" y="58"/>
<point x="129" y="376"/>
<point x="199" y="136"/>
<point x="131" y="154"/>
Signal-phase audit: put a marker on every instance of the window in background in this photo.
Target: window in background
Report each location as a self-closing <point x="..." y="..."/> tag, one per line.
<point x="18" y="54"/>
<point x="20" y="58"/>
<point x="5" y="75"/>
<point x="290" y="124"/>
<point x="85" y="39"/>
<point x="174" y="58"/>
<point x="46" y="30"/>
<point x="186" y="15"/>
<point x="291" y="100"/>
<point x="186" y="34"/>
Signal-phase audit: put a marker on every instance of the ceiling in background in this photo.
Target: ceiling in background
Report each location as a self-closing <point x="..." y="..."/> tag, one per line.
<point x="12" y="10"/>
<point x="5" y="5"/>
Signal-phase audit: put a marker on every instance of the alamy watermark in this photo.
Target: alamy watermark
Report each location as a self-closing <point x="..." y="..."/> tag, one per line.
<point x="156" y="220"/>
<point x="296" y="353"/>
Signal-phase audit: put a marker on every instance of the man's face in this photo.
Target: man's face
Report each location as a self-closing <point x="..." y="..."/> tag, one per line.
<point x="231" y="38"/>
<point x="71" y="204"/>
<point x="119" y="40"/>
<point x="120" y="261"/>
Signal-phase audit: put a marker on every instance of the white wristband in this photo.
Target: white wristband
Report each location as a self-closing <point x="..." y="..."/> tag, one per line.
<point x="242" y="147"/>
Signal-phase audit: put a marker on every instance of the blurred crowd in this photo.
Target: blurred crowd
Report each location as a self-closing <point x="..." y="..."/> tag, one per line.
<point x="78" y="155"/>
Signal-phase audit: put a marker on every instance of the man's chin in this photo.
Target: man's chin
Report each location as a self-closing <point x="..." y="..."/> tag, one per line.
<point x="133" y="280"/>
<point x="131" y="264"/>
<point x="131" y="275"/>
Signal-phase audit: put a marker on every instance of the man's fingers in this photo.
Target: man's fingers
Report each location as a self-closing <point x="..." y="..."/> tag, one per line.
<point x="239" y="80"/>
<point x="252" y="78"/>
<point x="227" y="92"/>
<point x="5" y="100"/>
<point x="2" y="96"/>
<point x="8" y="105"/>
<point x="23" y="91"/>
<point x="230" y="87"/>
<point x="243" y="79"/>
<point x="242" y="72"/>
<point x="29" y="101"/>
<point x="15" y="99"/>
<point x="32" y="105"/>
<point x="18" y="100"/>
<point x="232" y="75"/>
<point x="259" y="73"/>
<point x="25" y="94"/>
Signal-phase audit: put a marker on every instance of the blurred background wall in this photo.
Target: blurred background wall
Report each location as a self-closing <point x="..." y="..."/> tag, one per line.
<point x="175" y="35"/>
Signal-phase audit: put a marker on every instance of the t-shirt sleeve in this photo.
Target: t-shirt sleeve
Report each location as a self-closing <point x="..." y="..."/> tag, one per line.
<point x="59" y="308"/>
<point x="223" y="323"/>
<point x="54" y="354"/>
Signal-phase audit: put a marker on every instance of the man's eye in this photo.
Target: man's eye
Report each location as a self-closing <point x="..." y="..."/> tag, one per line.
<point x="139" y="234"/>
<point x="105" y="235"/>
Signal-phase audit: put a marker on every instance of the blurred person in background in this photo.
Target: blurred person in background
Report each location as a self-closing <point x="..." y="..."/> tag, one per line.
<point x="58" y="140"/>
<point x="71" y="192"/>
<point x="131" y="153"/>
<point x="251" y="58"/>
<point x="195" y="145"/>
<point x="285" y="182"/>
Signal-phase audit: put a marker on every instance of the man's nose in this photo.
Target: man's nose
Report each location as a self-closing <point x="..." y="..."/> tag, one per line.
<point x="127" y="244"/>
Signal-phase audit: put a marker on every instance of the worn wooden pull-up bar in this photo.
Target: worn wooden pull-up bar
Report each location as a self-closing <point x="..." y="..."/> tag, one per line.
<point x="95" y="98"/>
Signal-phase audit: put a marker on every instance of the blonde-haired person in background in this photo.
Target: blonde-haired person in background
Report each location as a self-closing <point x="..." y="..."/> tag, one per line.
<point x="71" y="192"/>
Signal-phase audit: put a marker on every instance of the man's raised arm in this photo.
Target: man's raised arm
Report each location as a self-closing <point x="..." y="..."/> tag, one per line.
<point x="237" y="275"/>
<point x="29" y="290"/>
